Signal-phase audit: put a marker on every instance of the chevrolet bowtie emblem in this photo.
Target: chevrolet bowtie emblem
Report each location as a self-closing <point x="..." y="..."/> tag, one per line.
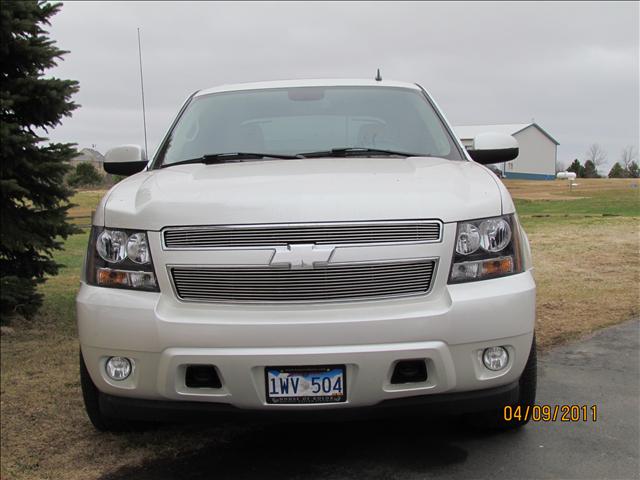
<point x="302" y="256"/>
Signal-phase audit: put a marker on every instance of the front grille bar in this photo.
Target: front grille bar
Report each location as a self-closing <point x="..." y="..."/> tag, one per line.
<point x="281" y="285"/>
<point x="269" y="235"/>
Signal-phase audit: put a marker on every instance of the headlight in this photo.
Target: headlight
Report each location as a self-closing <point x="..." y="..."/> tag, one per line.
<point x="495" y="234"/>
<point x="486" y="248"/>
<point x="111" y="245"/>
<point x="468" y="239"/>
<point x="138" y="248"/>
<point x="120" y="259"/>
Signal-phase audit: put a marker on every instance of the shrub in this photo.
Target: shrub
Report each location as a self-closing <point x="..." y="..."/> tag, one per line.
<point x="84" y="175"/>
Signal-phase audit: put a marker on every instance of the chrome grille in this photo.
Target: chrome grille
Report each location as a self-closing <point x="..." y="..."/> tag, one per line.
<point x="284" y="234"/>
<point x="334" y="282"/>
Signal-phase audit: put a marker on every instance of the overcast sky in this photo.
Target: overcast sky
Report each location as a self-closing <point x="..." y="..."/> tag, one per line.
<point x="573" y="67"/>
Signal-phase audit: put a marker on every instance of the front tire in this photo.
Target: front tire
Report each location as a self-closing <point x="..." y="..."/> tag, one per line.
<point x="494" y="419"/>
<point x="91" y="397"/>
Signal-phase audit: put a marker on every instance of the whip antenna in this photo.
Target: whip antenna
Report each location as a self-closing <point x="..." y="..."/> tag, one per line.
<point x="144" y="114"/>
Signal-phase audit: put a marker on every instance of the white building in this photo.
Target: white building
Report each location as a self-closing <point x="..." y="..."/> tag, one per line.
<point x="89" y="155"/>
<point x="538" y="149"/>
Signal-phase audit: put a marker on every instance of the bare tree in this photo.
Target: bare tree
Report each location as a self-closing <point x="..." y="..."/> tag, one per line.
<point x="596" y="154"/>
<point x="629" y="155"/>
<point x="560" y="166"/>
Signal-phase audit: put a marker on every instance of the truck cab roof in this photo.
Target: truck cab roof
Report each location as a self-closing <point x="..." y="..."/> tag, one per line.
<point x="306" y="83"/>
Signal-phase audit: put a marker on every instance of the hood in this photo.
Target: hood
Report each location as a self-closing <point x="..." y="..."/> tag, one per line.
<point x="306" y="190"/>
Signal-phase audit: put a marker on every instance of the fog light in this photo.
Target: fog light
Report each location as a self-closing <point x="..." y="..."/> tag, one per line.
<point x="118" y="368"/>
<point x="495" y="358"/>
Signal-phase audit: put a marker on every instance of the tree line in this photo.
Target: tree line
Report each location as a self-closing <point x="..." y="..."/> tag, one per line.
<point x="626" y="167"/>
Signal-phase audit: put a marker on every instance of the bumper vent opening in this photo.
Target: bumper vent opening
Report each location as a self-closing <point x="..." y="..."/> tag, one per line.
<point x="202" y="376"/>
<point x="409" y="371"/>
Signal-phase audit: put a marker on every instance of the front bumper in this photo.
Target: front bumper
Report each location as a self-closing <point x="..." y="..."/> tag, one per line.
<point x="177" y="411"/>
<point x="449" y="329"/>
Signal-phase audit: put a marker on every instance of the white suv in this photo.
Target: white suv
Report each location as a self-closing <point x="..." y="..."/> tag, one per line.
<point x="322" y="246"/>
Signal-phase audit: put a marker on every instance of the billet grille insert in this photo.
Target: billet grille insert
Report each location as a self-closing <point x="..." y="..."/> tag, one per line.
<point x="331" y="283"/>
<point x="274" y="235"/>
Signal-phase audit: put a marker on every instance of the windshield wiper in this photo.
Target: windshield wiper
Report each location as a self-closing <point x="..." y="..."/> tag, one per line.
<point x="354" y="151"/>
<point x="213" y="158"/>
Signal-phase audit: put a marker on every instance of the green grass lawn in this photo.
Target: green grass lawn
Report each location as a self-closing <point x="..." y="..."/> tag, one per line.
<point x="84" y="203"/>
<point x="60" y="291"/>
<point x="624" y="203"/>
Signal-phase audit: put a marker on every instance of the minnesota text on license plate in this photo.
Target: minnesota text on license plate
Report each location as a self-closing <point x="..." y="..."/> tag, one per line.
<point x="316" y="384"/>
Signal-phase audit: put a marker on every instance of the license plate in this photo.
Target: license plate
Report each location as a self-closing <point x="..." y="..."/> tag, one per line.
<point x="317" y="384"/>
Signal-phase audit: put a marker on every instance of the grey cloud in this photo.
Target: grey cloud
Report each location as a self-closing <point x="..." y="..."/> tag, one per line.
<point x="571" y="66"/>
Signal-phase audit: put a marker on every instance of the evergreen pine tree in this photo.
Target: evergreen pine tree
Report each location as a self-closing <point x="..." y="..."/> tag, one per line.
<point x="633" y="170"/>
<point x="34" y="199"/>
<point x="576" y="168"/>
<point x="590" y="170"/>
<point x="617" y="171"/>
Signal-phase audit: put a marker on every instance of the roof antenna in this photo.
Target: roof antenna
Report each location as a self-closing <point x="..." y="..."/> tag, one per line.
<point x="378" y="76"/>
<point x="144" y="114"/>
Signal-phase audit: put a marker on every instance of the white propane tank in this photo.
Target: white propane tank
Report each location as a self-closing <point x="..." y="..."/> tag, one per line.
<point x="566" y="176"/>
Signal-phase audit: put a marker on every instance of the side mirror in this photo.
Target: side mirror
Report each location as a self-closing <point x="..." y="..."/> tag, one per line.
<point x="493" y="147"/>
<point x="125" y="160"/>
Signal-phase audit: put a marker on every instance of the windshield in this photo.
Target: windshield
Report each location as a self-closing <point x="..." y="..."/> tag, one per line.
<point x="292" y="121"/>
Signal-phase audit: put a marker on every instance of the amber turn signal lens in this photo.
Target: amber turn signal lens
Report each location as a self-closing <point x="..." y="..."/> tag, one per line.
<point x="108" y="277"/>
<point x="498" y="267"/>
<point x="482" y="269"/>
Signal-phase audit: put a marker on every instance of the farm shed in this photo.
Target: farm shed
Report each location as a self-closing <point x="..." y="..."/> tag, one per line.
<point x="88" y="155"/>
<point x="538" y="149"/>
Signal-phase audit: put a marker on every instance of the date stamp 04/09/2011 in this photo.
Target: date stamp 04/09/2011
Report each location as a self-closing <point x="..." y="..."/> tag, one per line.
<point x="551" y="413"/>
